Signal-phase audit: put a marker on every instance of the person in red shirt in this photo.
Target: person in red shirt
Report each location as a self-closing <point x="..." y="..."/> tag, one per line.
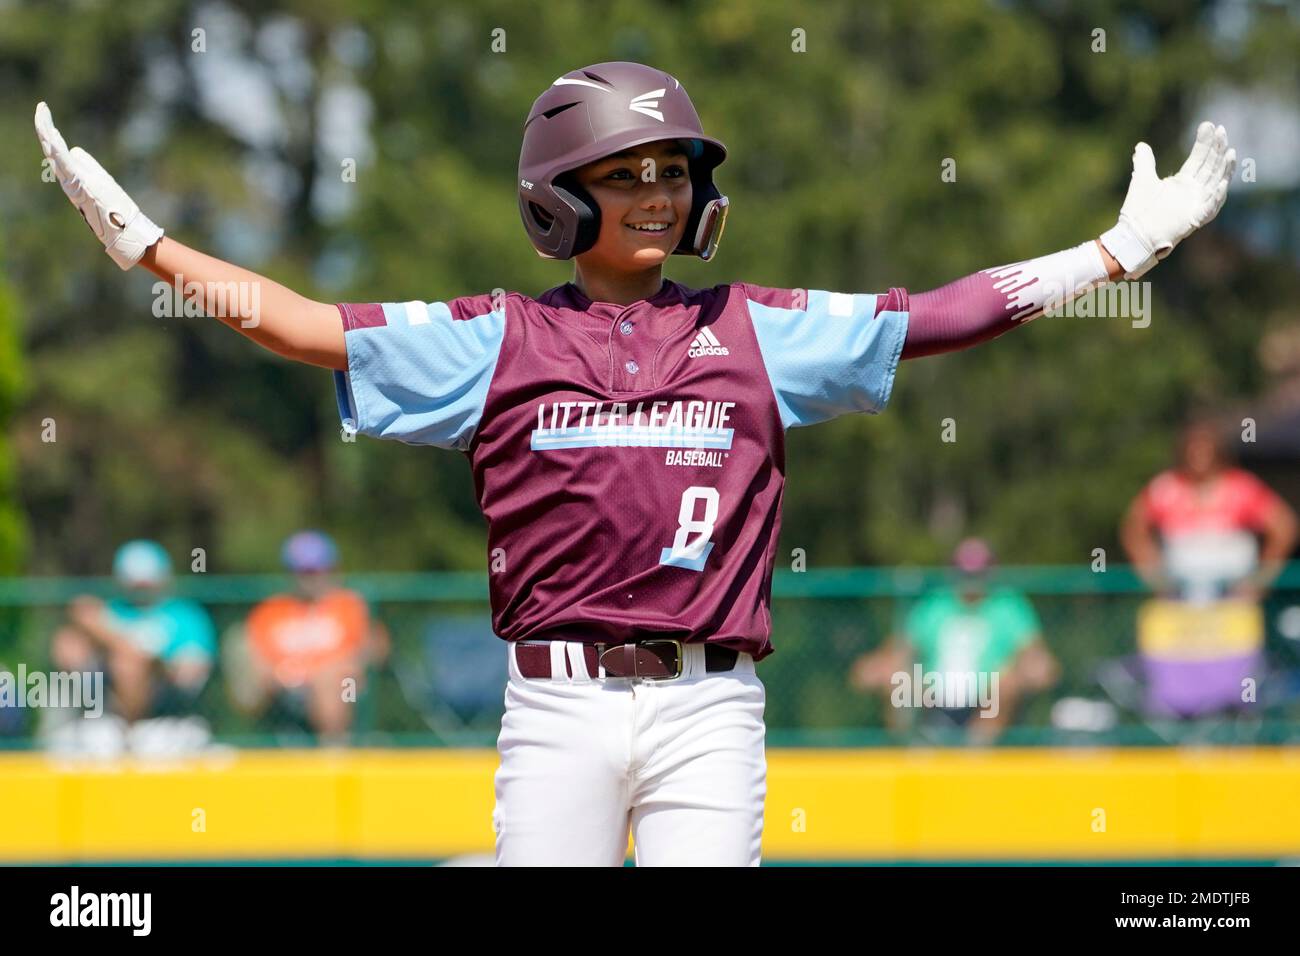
<point x="1195" y="531"/>
<point x="310" y="649"/>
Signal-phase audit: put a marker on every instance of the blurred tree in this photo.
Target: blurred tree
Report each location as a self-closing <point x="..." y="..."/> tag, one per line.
<point x="13" y="525"/>
<point x="239" y="126"/>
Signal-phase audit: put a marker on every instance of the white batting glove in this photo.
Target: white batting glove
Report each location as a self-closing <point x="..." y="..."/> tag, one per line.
<point x="1160" y="213"/>
<point x="112" y="215"/>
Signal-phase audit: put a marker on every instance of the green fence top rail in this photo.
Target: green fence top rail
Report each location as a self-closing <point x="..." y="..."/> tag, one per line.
<point x="471" y="586"/>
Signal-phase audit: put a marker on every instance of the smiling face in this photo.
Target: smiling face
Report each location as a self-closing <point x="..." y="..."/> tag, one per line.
<point x="640" y="186"/>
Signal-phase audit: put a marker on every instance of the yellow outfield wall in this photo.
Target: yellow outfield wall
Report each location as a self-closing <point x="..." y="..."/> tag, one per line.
<point x="1015" y="804"/>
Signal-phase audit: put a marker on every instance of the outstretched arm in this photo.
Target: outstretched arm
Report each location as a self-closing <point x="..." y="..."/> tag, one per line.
<point x="273" y="316"/>
<point x="1157" y="214"/>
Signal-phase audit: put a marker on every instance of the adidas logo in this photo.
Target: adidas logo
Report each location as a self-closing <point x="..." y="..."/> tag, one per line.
<point x="706" y="344"/>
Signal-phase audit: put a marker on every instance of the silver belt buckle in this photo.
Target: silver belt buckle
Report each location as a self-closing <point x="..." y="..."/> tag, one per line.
<point x="677" y="644"/>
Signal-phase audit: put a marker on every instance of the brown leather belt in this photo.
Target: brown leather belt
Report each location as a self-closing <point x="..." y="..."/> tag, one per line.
<point x="649" y="660"/>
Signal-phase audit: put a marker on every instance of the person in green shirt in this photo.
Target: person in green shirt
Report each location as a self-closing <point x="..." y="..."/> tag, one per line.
<point x="967" y="653"/>
<point x="156" y="649"/>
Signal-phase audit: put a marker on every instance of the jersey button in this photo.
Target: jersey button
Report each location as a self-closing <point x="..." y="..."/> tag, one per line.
<point x="632" y="367"/>
<point x="626" y="327"/>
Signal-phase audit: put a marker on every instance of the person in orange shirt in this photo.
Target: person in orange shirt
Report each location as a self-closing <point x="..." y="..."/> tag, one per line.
<point x="310" y="649"/>
<point x="1207" y="530"/>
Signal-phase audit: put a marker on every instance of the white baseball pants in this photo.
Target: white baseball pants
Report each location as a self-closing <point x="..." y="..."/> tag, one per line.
<point x="681" y="762"/>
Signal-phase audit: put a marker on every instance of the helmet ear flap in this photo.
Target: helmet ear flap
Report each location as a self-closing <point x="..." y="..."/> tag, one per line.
<point x="588" y="229"/>
<point x="709" y="231"/>
<point x="708" y="215"/>
<point x="541" y="217"/>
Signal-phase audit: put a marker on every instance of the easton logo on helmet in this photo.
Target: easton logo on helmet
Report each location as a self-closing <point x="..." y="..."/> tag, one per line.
<point x="647" y="104"/>
<point x="706" y="343"/>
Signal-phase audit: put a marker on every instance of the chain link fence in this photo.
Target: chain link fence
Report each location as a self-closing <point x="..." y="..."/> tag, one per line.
<point x="442" y="683"/>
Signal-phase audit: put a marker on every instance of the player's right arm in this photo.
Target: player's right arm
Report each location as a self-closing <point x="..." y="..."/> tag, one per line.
<point x="276" y="317"/>
<point x="273" y="316"/>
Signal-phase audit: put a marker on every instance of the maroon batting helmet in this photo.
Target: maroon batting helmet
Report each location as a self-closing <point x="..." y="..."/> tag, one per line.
<point x="588" y="114"/>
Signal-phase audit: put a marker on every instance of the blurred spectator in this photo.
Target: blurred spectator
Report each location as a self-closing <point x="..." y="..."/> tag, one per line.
<point x="1192" y="531"/>
<point x="155" y="650"/>
<point x="966" y="628"/>
<point x="299" y="650"/>
<point x="1193" y="534"/>
<point x="13" y="721"/>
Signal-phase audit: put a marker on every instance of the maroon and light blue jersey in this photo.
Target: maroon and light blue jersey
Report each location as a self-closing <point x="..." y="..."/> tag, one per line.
<point x="629" y="460"/>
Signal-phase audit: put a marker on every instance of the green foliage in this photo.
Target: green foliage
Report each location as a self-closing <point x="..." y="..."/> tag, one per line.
<point x="178" y="428"/>
<point x="13" y="530"/>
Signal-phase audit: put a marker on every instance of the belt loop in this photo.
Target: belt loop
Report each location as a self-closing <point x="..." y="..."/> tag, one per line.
<point x="600" y="667"/>
<point x="512" y="662"/>
<point x="559" y="669"/>
<point x="693" y="660"/>
<point x="578" y="659"/>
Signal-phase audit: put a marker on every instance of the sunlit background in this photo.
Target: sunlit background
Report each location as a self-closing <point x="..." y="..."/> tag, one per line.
<point x="363" y="152"/>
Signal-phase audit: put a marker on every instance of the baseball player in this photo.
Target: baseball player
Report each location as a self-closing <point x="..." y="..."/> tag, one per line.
<point x="626" y="436"/>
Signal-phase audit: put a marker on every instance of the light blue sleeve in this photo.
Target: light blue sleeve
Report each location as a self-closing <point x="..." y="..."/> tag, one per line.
<point x="827" y="353"/>
<point x="419" y="371"/>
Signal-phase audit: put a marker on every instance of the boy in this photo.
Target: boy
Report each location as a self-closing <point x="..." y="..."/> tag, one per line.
<point x="626" y="437"/>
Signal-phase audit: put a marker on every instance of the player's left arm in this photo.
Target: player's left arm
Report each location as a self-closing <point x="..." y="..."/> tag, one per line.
<point x="1157" y="215"/>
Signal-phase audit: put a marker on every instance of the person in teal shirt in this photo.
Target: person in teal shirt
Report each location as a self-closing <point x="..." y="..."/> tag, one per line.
<point x="967" y="653"/>
<point x="156" y="649"/>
